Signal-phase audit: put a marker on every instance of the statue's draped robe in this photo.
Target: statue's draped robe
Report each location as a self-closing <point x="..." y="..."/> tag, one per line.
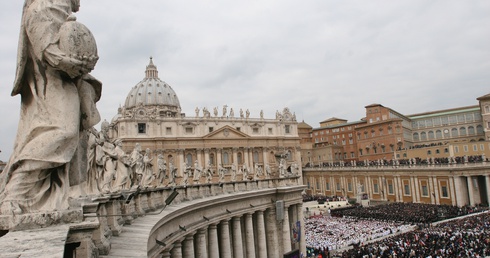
<point x="38" y="173"/>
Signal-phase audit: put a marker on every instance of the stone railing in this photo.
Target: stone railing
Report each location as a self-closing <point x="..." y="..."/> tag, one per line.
<point x="401" y="166"/>
<point x="105" y="217"/>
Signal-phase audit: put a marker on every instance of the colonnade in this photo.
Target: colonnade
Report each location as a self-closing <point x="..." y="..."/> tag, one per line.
<point x="253" y="234"/>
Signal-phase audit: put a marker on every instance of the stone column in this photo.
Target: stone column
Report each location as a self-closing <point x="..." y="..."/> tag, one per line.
<point x="181" y="160"/>
<point x="213" y="241"/>
<point x="201" y="244"/>
<point x="188" y="246"/>
<point x="261" y="239"/>
<point x="436" y="190"/>
<point x="286" y="231"/>
<point x="246" y="157"/>
<point x="219" y="154"/>
<point x="235" y="157"/>
<point x="431" y="190"/>
<point x="302" y="242"/>
<point x="237" y="238"/>
<point x="400" y="189"/>
<point x="470" y="191"/>
<point x="176" y="251"/>
<point x="225" y="241"/>
<point x="199" y="158"/>
<point x="457" y="189"/>
<point x="249" y="236"/>
<point x="264" y="157"/>
<point x="452" y="191"/>
<point x="417" y="189"/>
<point x="487" y="185"/>
<point x="412" y="190"/>
<point x="166" y="254"/>
<point x="206" y="158"/>
<point x="272" y="233"/>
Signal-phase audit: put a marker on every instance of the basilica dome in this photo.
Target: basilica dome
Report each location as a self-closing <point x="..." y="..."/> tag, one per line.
<point x="152" y="91"/>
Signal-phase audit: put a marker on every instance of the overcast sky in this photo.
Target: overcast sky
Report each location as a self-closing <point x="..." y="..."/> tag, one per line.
<point x="320" y="58"/>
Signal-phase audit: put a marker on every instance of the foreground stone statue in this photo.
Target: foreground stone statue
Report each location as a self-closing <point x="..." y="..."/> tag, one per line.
<point x="58" y="98"/>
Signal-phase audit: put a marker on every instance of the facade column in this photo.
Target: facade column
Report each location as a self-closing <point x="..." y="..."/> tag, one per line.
<point x="225" y="243"/>
<point x="188" y="246"/>
<point x="470" y="191"/>
<point x="400" y="188"/>
<point x="487" y="185"/>
<point x="249" y="236"/>
<point x="237" y="238"/>
<point x="272" y="233"/>
<point x="199" y="157"/>
<point x="201" y="244"/>
<point x="235" y="157"/>
<point x="413" y="190"/>
<point x="302" y="240"/>
<point x="166" y="254"/>
<point x="213" y="241"/>
<point x="181" y="159"/>
<point x="457" y="189"/>
<point x="245" y="157"/>
<point x="176" y="250"/>
<point x="261" y="239"/>
<point x="286" y="231"/>
<point x="265" y="157"/>
<point x="219" y="154"/>
<point x="417" y="189"/>
<point x="452" y="191"/>
<point x="206" y="158"/>
<point x="436" y="190"/>
<point x="368" y="187"/>
<point x="431" y="190"/>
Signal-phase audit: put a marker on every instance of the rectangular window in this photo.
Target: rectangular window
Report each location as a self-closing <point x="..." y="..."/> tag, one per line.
<point x="338" y="186"/>
<point x="390" y="188"/>
<point x="211" y="129"/>
<point x="189" y="130"/>
<point x="238" y="129"/>
<point x="287" y="129"/>
<point x="327" y="186"/>
<point x="406" y="188"/>
<point x="482" y="147"/>
<point x="465" y="148"/>
<point x="141" y="128"/>
<point x="270" y="131"/>
<point x="375" y="188"/>
<point x="352" y="155"/>
<point x="475" y="147"/>
<point x="456" y="149"/>
<point x="425" y="191"/>
<point x="444" y="192"/>
<point x="255" y="130"/>
<point x="168" y="130"/>
<point x="349" y="187"/>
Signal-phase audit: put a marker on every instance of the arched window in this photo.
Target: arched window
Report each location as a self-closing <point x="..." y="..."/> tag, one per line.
<point x="211" y="158"/>
<point x="423" y="136"/>
<point x="438" y="134"/>
<point x="462" y="131"/>
<point x="416" y="136"/>
<point x="429" y="152"/>
<point x="471" y="130"/>
<point x="454" y="132"/>
<point x="431" y="135"/>
<point x="479" y="129"/>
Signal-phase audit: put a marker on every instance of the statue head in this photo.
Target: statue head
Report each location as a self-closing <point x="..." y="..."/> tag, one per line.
<point x="75" y="5"/>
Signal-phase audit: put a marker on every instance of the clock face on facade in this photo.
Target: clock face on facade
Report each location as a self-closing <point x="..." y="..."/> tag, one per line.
<point x="446" y="131"/>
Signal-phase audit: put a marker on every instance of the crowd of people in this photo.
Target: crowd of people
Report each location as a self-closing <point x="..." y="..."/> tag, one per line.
<point x="356" y="226"/>
<point x="412" y="213"/>
<point x="466" y="237"/>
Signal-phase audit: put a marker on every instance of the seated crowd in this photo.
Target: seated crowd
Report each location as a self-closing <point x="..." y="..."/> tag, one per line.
<point x="356" y="226"/>
<point x="466" y="237"/>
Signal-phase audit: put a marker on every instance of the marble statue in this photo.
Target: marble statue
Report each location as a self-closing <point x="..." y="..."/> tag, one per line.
<point x="197" y="111"/>
<point x="261" y="114"/>
<point x="221" y="172"/>
<point x="245" y="171"/>
<point x="197" y="171"/>
<point x="105" y="159"/>
<point x="232" y="113"/>
<point x="282" y="167"/>
<point x="258" y="171"/>
<point x="173" y="173"/>
<point x="122" y="180"/>
<point x="136" y="164"/>
<point x="58" y="99"/>
<point x="233" y="172"/>
<point x="185" y="172"/>
<point x="162" y="169"/>
<point x="224" y="110"/>
<point x="148" y="175"/>
<point x="268" y="171"/>
<point x="241" y="113"/>
<point x="247" y="113"/>
<point x="215" y="111"/>
<point x="209" y="173"/>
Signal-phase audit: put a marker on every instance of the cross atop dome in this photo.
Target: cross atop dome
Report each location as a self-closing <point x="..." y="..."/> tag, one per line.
<point x="151" y="70"/>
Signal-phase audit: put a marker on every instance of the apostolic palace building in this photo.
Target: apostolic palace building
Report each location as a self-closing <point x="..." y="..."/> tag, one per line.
<point x="435" y="157"/>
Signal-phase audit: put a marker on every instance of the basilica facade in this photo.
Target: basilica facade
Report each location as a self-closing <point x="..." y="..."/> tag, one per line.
<point x="214" y="138"/>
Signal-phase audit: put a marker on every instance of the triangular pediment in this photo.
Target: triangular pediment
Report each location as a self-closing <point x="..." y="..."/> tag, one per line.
<point x="226" y="132"/>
